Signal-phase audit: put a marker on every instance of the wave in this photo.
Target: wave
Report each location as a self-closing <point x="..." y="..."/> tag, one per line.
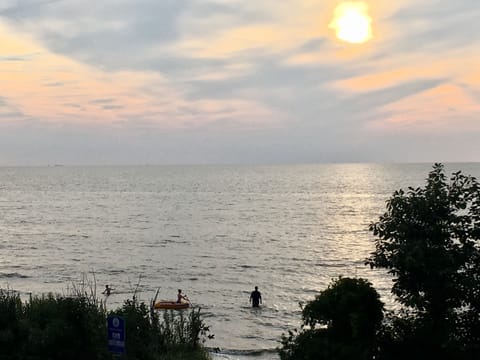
<point x="13" y="275"/>
<point x="257" y="353"/>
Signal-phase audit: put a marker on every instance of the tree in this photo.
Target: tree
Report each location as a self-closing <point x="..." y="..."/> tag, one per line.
<point x="429" y="240"/>
<point x="341" y="323"/>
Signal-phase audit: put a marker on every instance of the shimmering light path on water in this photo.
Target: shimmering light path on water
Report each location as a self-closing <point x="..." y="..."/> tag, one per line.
<point x="213" y="231"/>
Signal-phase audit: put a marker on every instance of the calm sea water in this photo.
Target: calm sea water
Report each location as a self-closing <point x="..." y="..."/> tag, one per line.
<point x="213" y="231"/>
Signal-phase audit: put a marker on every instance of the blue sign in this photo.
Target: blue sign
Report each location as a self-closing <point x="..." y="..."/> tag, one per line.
<point x="116" y="334"/>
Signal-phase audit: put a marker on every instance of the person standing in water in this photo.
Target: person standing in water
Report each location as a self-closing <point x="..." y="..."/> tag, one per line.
<point x="107" y="290"/>
<point x="256" y="297"/>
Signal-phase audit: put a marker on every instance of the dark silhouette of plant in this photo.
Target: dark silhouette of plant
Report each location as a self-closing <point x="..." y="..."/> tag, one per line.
<point x="141" y="338"/>
<point x="429" y="241"/>
<point x="58" y="327"/>
<point x="341" y="323"/>
<point x="11" y="331"/>
<point x="75" y="327"/>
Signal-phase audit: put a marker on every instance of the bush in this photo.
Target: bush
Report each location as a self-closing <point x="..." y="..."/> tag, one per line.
<point x="11" y="332"/>
<point x="341" y="323"/>
<point x="75" y="327"/>
<point x="64" y="328"/>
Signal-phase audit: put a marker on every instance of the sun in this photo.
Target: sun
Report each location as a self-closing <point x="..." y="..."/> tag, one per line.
<point x="352" y="23"/>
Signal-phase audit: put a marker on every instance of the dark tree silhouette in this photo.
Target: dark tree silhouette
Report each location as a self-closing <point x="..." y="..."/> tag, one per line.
<point x="429" y="240"/>
<point x="341" y="323"/>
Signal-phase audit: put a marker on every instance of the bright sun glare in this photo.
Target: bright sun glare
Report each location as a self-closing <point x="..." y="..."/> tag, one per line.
<point x="352" y="23"/>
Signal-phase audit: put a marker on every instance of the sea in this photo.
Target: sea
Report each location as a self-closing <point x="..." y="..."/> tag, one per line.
<point x="215" y="232"/>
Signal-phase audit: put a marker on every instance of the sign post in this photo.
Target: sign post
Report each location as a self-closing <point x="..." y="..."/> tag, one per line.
<point x="116" y="334"/>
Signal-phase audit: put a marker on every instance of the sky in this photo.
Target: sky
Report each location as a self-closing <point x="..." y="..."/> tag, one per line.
<point x="238" y="82"/>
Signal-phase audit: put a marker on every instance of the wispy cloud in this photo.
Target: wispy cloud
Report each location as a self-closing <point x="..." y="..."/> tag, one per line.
<point x="224" y="76"/>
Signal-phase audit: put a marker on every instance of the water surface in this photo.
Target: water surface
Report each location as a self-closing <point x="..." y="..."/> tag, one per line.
<point x="213" y="231"/>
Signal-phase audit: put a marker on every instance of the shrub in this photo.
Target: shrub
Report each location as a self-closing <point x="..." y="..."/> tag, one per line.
<point x="341" y="323"/>
<point x="11" y="333"/>
<point x="183" y="332"/>
<point x="75" y="327"/>
<point x="60" y="327"/>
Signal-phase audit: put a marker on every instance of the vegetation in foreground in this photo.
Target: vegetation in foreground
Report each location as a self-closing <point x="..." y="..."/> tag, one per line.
<point x="429" y="241"/>
<point x="341" y="323"/>
<point x="75" y="327"/>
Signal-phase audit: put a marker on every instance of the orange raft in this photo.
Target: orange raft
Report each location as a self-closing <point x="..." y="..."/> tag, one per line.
<point x="164" y="304"/>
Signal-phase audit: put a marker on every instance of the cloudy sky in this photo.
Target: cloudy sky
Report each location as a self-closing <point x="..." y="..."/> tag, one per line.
<point x="238" y="81"/>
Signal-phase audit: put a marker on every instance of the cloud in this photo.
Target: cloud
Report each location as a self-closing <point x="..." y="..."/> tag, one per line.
<point x="13" y="58"/>
<point x="437" y="26"/>
<point x="10" y="114"/>
<point x="112" y="107"/>
<point x="55" y="84"/>
<point x="226" y="80"/>
<point x="102" y="101"/>
<point x="110" y="35"/>
<point x="445" y="109"/>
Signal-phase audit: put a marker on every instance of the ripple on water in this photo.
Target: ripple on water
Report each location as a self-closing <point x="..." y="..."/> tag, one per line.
<point x="13" y="275"/>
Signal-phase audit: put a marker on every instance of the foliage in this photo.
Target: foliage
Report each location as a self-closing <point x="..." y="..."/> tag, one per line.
<point x="179" y="331"/>
<point x="141" y="333"/>
<point x="429" y="241"/>
<point x="51" y="327"/>
<point x="184" y="354"/>
<point x="74" y="327"/>
<point x="341" y="323"/>
<point x="10" y="322"/>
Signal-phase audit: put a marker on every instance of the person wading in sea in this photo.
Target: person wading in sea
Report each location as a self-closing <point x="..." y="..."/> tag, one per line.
<point x="107" y="290"/>
<point x="256" y="297"/>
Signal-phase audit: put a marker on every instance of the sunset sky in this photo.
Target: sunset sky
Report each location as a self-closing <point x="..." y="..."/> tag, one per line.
<point x="238" y="81"/>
